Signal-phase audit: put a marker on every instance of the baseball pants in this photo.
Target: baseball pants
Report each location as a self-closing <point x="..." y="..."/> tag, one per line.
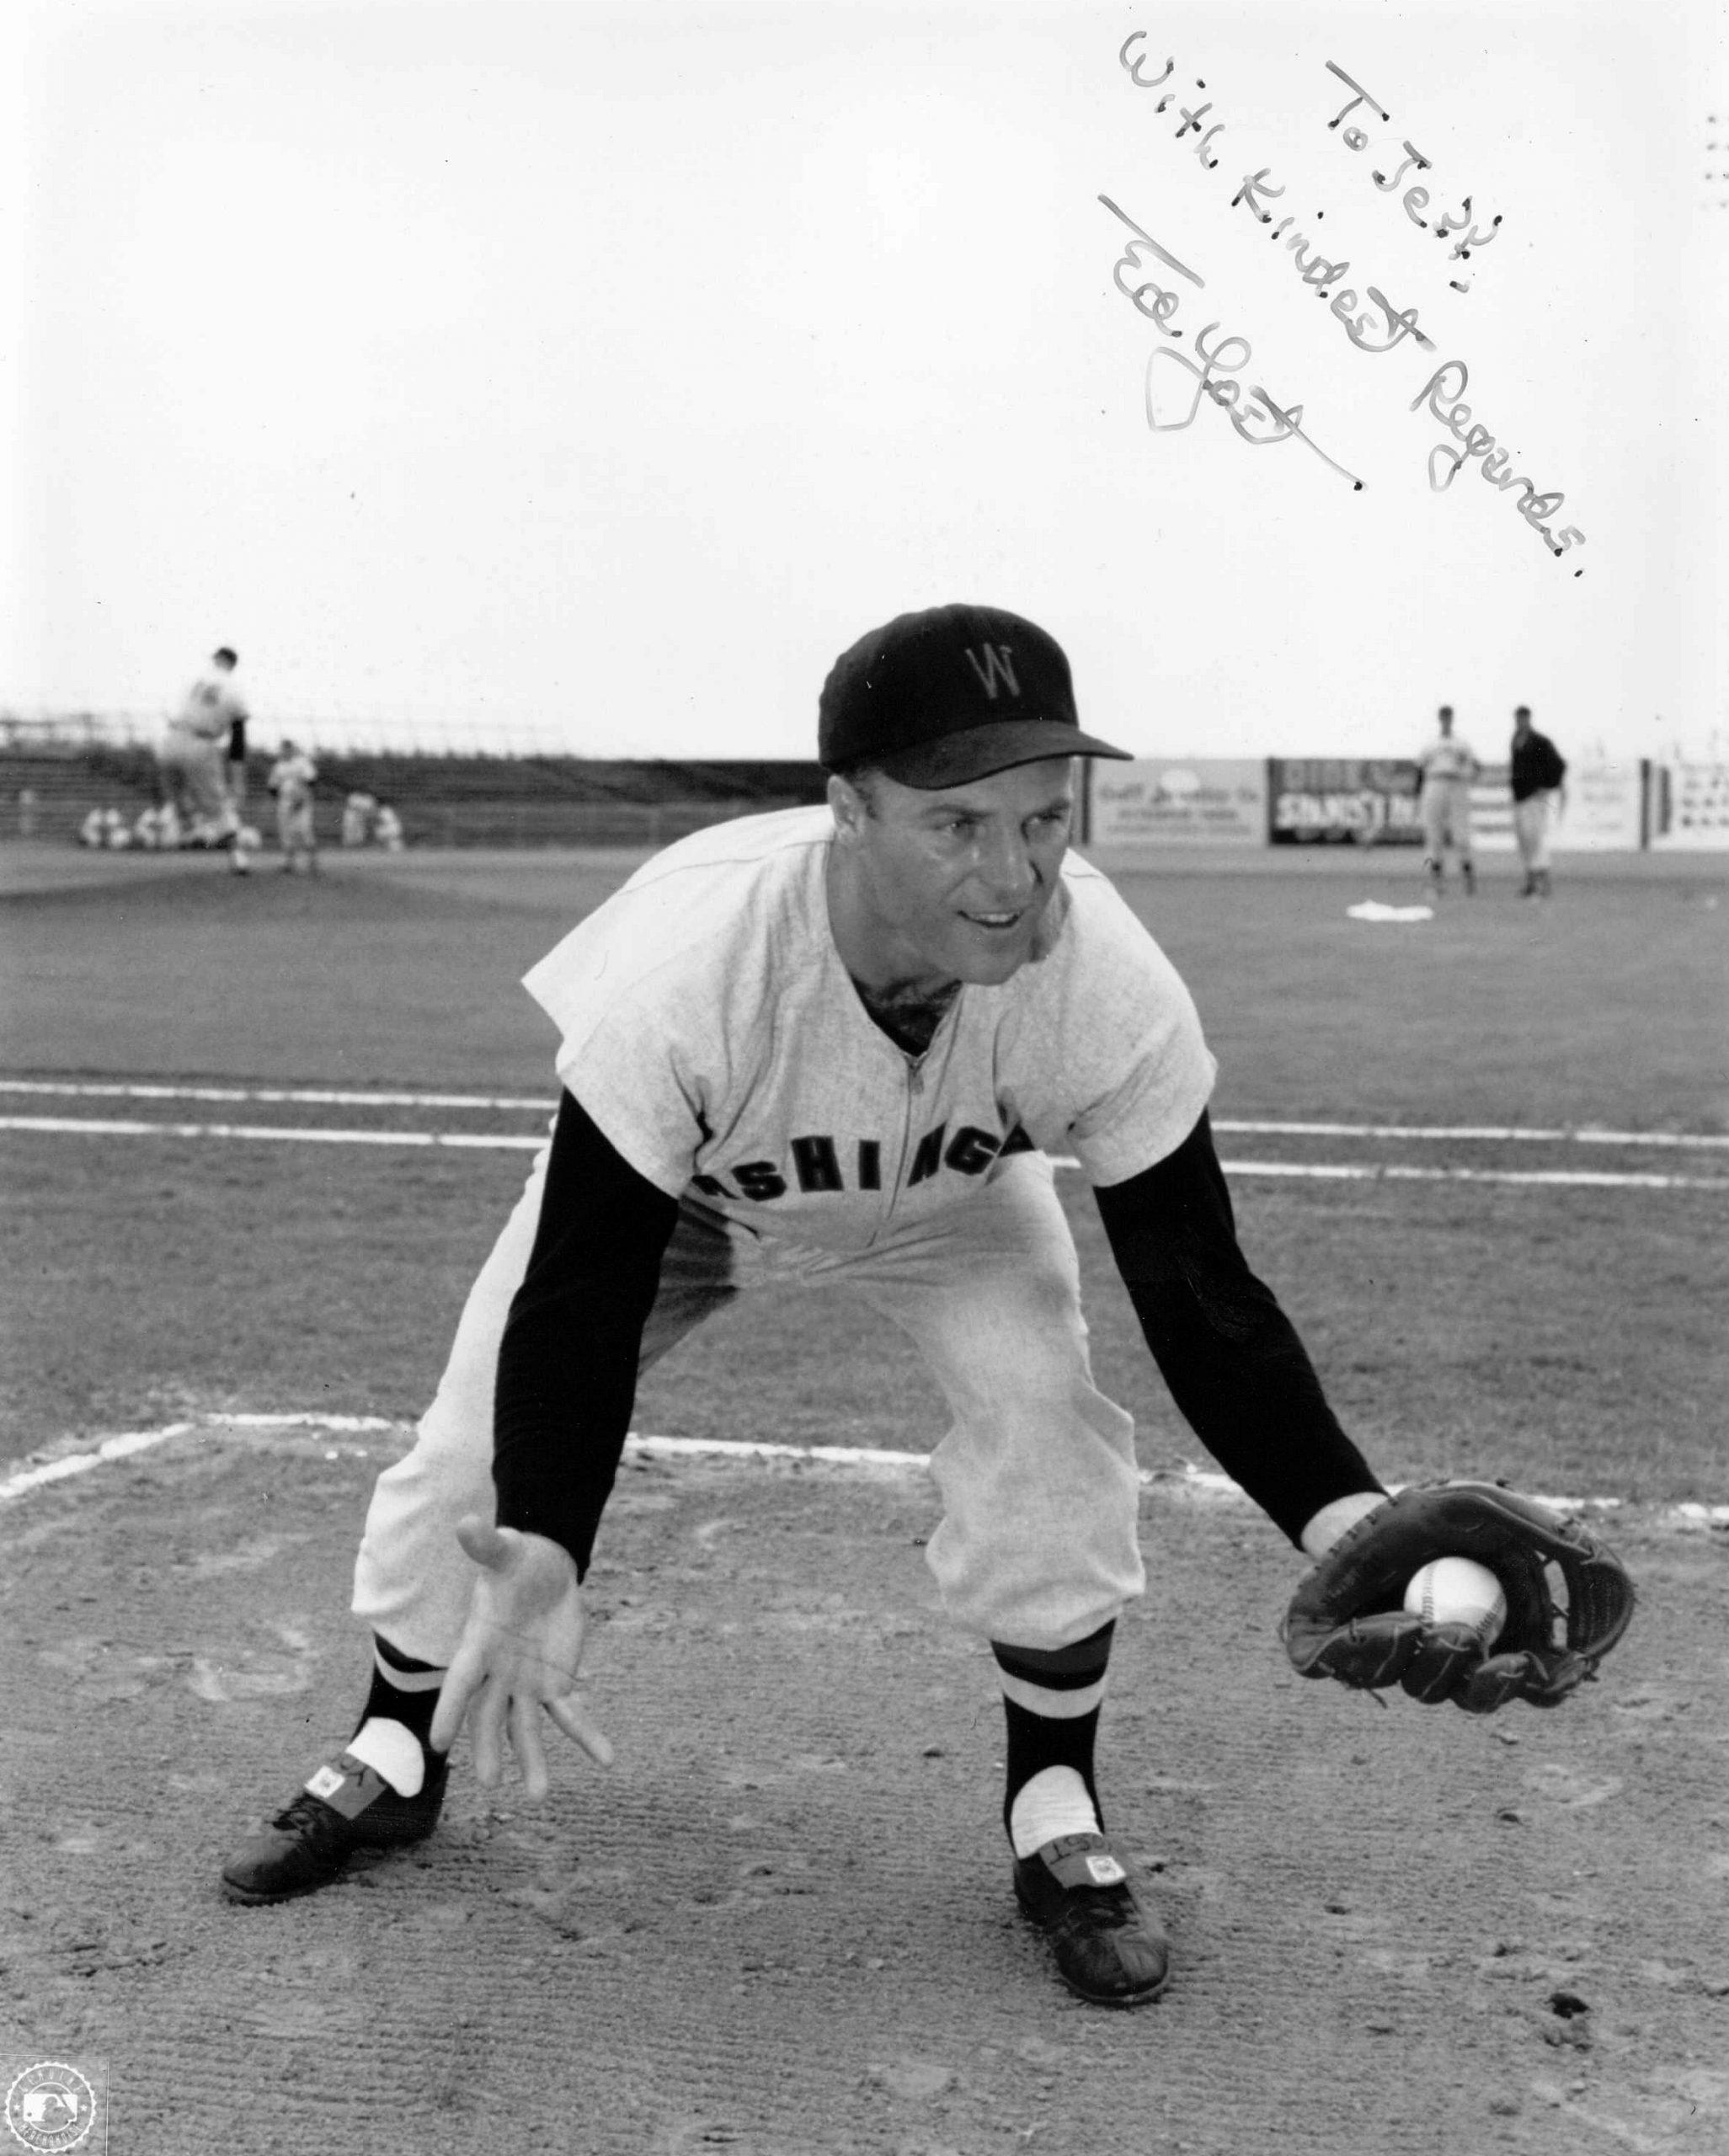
<point x="1446" y="817"/>
<point x="1530" y="825"/>
<point x="192" y="773"/>
<point x="1039" y="1543"/>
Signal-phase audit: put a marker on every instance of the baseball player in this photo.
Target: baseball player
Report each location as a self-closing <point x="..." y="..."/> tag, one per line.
<point x="1445" y="770"/>
<point x="839" y="1045"/>
<point x="191" y="759"/>
<point x="1538" y="768"/>
<point x="357" y="811"/>
<point x="291" y="779"/>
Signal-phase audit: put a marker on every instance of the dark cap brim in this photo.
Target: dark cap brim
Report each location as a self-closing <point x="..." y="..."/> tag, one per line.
<point x="958" y="759"/>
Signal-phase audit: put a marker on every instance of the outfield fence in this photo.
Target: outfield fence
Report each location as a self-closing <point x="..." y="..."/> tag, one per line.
<point x="567" y="822"/>
<point x="54" y="791"/>
<point x="53" y="777"/>
<point x="1141" y="810"/>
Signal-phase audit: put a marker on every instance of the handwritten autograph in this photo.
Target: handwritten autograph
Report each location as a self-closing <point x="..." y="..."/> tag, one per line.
<point x="1445" y="464"/>
<point x="1400" y="322"/>
<point x="1214" y="373"/>
<point x="1416" y="198"/>
<point x="1261" y="420"/>
<point x="1257" y="188"/>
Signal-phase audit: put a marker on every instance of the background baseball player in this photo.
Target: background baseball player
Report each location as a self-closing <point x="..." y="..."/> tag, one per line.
<point x="358" y="811"/>
<point x="291" y="779"/>
<point x="838" y="1046"/>
<point x="1445" y="770"/>
<point x="1538" y="768"/>
<point x="192" y="755"/>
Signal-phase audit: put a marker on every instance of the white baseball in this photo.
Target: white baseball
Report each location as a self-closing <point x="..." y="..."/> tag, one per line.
<point x="1458" y="1591"/>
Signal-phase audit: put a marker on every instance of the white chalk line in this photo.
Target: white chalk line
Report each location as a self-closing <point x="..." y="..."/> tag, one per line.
<point x="1491" y="1134"/>
<point x="108" y="1126"/>
<point x="1185" y="1481"/>
<point x="1403" y="1171"/>
<point x="544" y="1104"/>
<point x="496" y="1141"/>
<point x="128" y="1443"/>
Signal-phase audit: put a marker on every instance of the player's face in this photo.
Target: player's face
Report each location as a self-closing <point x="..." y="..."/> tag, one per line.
<point x="951" y="885"/>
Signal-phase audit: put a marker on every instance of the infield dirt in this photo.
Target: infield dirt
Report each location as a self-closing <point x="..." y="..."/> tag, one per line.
<point x="782" y="1923"/>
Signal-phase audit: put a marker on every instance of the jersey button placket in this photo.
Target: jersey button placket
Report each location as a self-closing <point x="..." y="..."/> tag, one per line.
<point x="894" y="1181"/>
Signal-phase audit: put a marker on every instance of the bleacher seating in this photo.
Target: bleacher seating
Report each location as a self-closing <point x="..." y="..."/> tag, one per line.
<point x="442" y="800"/>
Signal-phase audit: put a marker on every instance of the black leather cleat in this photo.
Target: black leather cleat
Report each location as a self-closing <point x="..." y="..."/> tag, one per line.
<point x="344" y="1806"/>
<point x="1109" y="1949"/>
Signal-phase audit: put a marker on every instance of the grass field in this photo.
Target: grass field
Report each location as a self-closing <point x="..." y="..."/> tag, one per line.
<point x="1569" y="1335"/>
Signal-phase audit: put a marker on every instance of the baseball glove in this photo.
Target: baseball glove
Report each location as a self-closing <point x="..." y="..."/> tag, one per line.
<point x="1348" y="1618"/>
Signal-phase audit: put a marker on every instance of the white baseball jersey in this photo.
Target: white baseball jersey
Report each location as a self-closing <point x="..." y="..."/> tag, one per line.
<point x="291" y="779"/>
<point x="710" y="1028"/>
<point x="212" y="704"/>
<point x="1446" y="757"/>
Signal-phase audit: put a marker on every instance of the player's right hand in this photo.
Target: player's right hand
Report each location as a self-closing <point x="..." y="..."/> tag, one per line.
<point x="518" y="1657"/>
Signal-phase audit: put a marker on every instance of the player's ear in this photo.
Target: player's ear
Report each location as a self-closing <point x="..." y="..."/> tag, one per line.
<point x="848" y="806"/>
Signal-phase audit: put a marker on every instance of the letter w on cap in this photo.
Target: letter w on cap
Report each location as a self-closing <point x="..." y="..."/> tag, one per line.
<point x="990" y="661"/>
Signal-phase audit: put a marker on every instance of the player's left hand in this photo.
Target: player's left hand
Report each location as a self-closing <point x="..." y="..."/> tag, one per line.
<point x="1347" y="1620"/>
<point x="518" y="1657"/>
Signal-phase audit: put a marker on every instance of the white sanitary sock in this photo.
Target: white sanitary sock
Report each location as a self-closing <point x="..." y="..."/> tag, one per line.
<point x="1053" y="1802"/>
<point x="392" y="1750"/>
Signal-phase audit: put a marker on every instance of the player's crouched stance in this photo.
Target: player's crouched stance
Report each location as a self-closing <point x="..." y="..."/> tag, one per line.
<point x="839" y="1045"/>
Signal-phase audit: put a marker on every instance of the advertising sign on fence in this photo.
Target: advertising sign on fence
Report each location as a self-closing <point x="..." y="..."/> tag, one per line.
<point x="1343" y="800"/>
<point x="1603" y="811"/>
<point x="1208" y="800"/>
<point x="1491" y="810"/>
<point x="1691" y="806"/>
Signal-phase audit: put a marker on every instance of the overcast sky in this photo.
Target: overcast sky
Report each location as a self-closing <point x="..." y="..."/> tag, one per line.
<point x="595" y="374"/>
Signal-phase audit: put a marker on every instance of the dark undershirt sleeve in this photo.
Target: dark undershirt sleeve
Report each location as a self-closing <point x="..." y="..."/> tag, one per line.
<point x="1230" y="1356"/>
<point x="566" y="1378"/>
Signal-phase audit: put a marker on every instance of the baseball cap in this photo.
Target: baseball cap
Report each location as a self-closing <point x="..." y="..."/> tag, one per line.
<point x="950" y="695"/>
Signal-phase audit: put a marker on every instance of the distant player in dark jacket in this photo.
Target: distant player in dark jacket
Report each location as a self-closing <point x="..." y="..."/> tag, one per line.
<point x="1538" y="770"/>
